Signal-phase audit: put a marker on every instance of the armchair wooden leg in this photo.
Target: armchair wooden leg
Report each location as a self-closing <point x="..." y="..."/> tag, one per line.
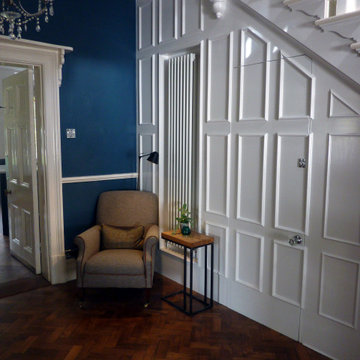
<point x="147" y="297"/>
<point x="81" y="297"/>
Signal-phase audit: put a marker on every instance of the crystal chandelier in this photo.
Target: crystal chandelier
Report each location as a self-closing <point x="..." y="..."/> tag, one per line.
<point x="14" y="17"/>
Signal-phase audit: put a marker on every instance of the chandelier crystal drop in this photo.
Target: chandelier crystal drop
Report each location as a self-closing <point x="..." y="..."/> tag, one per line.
<point x="14" y="16"/>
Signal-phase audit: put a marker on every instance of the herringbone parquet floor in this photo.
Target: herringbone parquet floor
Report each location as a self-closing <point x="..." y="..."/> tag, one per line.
<point x="15" y="278"/>
<point x="47" y="323"/>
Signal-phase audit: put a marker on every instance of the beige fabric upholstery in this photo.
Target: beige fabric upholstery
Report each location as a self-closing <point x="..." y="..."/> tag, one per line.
<point x="127" y="208"/>
<point x="114" y="237"/>
<point x="116" y="262"/>
<point x="150" y="242"/>
<point x="88" y="243"/>
<point x="119" y="267"/>
<point x="114" y="281"/>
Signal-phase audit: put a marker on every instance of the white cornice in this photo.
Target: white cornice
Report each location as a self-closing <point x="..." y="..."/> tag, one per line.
<point x="37" y="44"/>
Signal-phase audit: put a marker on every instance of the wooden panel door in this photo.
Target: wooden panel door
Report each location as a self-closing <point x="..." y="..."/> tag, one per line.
<point x="258" y="149"/>
<point x="22" y="174"/>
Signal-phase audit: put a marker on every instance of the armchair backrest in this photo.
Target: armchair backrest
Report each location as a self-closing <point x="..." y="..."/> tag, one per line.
<point x="127" y="208"/>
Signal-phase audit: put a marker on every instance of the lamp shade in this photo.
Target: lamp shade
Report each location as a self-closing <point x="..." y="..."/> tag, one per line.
<point x="153" y="157"/>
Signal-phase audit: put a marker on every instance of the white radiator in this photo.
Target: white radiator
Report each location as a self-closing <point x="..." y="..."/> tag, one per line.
<point x="181" y="115"/>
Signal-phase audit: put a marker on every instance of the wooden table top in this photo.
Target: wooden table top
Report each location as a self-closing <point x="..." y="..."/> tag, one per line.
<point x="191" y="241"/>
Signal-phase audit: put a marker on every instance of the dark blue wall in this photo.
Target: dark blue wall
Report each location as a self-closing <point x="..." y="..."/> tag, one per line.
<point x="97" y="98"/>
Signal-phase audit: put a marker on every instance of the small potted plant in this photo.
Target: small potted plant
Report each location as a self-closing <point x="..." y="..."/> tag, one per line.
<point x="184" y="220"/>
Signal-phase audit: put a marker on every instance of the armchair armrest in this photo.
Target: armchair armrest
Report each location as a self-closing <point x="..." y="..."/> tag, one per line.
<point x="150" y="242"/>
<point x="88" y="243"/>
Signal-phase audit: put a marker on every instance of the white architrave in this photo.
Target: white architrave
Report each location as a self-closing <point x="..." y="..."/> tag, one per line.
<point x="50" y="58"/>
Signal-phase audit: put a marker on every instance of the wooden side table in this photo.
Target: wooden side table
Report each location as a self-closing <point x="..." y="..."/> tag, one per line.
<point x="192" y="242"/>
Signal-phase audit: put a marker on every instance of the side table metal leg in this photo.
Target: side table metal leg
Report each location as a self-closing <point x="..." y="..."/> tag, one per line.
<point x="212" y="275"/>
<point x="185" y="278"/>
<point x="191" y="279"/>
<point x="205" y="270"/>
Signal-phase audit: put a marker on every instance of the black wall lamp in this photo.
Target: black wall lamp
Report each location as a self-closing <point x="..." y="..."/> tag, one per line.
<point x="153" y="158"/>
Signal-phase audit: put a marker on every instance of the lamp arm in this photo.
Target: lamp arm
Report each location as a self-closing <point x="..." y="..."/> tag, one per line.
<point x="141" y="156"/>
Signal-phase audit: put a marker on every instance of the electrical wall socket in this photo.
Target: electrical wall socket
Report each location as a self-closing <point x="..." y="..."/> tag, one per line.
<point x="70" y="133"/>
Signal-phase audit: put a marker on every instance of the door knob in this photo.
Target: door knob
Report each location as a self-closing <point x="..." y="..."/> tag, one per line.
<point x="7" y="192"/>
<point x="296" y="240"/>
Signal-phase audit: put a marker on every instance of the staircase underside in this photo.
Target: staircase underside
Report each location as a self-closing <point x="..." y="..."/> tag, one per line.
<point x="335" y="41"/>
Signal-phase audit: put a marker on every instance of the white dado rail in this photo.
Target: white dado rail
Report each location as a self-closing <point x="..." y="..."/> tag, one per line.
<point x="95" y="178"/>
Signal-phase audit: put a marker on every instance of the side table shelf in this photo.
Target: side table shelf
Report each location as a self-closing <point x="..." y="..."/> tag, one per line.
<point x="193" y="241"/>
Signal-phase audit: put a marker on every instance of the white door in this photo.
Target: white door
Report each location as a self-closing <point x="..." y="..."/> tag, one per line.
<point x="331" y="318"/>
<point x="283" y="160"/>
<point x="258" y="167"/>
<point x="22" y="173"/>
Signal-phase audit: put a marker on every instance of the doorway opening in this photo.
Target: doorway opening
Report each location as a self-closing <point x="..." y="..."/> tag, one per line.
<point x="22" y="178"/>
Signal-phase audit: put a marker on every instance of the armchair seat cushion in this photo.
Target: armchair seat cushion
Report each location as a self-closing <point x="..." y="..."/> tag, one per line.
<point x="116" y="262"/>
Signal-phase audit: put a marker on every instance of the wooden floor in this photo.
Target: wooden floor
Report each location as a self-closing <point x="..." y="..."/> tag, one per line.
<point x="10" y="268"/>
<point x="14" y="276"/>
<point x="47" y="323"/>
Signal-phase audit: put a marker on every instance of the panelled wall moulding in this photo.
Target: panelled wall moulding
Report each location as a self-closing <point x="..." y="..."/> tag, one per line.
<point x="245" y="186"/>
<point x="248" y="36"/>
<point x="147" y="89"/>
<point x="220" y="78"/>
<point x="201" y="138"/>
<point x="346" y="198"/>
<point x="290" y="211"/>
<point x="192" y="18"/>
<point x="265" y="276"/>
<point x="146" y="25"/>
<point x="249" y="263"/>
<point x="147" y="144"/>
<point x="308" y="90"/>
<point x="221" y="246"/>
<point x="293" y="292"/>
<point x="218" y="174"/>
<point x="340" y="281"/>
<point x="168" y="25"/>
<point x="339" y="107"/>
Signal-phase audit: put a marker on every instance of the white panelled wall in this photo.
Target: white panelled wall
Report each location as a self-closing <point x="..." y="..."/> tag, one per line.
<point x="278" y="144"/>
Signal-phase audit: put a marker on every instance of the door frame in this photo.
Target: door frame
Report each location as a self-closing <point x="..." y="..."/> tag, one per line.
<point x="50" y="58"/>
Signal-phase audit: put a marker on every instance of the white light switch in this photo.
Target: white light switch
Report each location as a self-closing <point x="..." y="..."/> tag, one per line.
<point x="70" y="133"/>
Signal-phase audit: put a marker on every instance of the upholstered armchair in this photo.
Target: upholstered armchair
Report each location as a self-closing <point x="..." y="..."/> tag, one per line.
<point x="119" y="251"/>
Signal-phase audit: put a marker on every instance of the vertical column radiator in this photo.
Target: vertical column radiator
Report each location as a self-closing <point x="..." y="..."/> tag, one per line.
<point x="182" y="138"/>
